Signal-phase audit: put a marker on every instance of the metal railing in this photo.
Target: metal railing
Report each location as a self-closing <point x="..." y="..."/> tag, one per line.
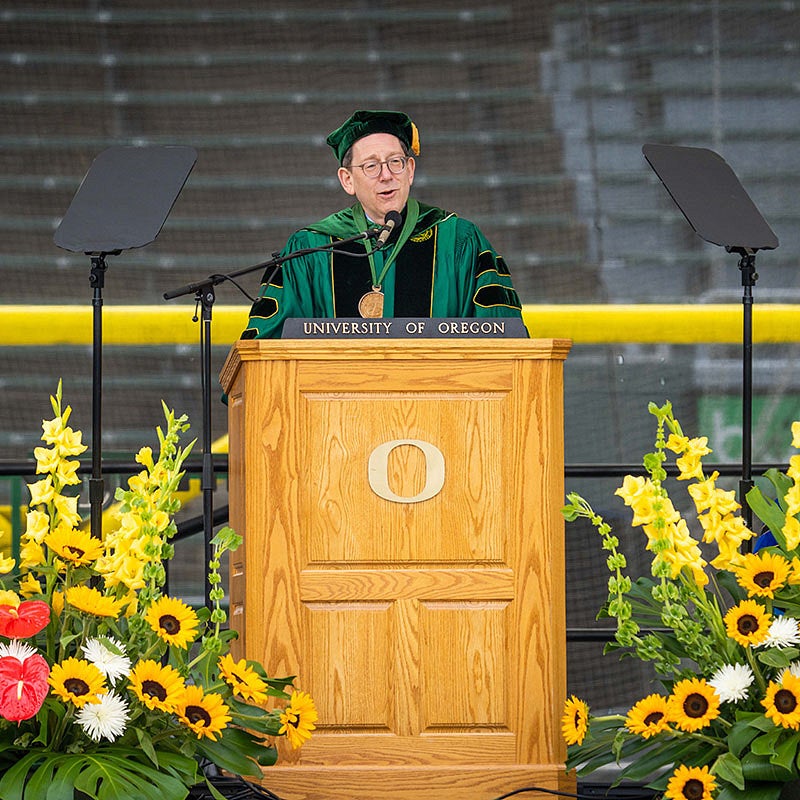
<point x="21" y="468"/>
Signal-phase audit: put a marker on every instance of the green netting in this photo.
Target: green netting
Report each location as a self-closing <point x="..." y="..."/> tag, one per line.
<point x="532" y="117"/>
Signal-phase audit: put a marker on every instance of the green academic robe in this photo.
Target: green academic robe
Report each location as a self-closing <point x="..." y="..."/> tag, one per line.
<point x="444" y="267"/>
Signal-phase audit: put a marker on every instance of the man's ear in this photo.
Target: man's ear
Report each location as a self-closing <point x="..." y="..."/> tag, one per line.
<point x="411" y="165"/>
<point x="346" y="179"/>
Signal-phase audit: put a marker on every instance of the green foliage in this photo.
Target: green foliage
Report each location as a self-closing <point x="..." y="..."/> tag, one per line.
<point x="93" y="614"/>
<point x="691" y="621"/>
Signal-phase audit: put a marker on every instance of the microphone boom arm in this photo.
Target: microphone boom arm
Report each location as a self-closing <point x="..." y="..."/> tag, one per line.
<point x="275" y="261"/>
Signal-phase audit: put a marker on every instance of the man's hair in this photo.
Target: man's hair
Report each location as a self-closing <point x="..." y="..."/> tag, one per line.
<point x="347" y="158"/>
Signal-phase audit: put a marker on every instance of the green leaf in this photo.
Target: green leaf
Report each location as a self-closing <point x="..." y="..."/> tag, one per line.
<point x="108" y="774"/>
<point x="570" y="513"/>
<point x="786" y="752"/>
<point x="268" y="757"/>
<point x="755" y="719"/>
<point x="214" y="793"/>
<point x="780" y="481"/>
<point x="146" y="743"/>
<point x="779" y="659"/>
<point x="757" y="768"/>
<point x="228" y="758"/>
<point x="676" y="752"/>
<point x="753" y="791"/>
<point x="769" y="513"/>
<point x="764" y="745"/>
<point x="62" y="785"/>
<point x="41" y="779"/>
<point x="184" y="768"/>
<point x="729" y="769"/>
<point x="740" y="736"/>
<point x="13" y="782"/>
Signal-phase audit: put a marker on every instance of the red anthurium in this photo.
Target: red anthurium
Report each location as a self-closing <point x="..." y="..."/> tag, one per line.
<point x="23" y="686"/>
<point x="24" y="620"/>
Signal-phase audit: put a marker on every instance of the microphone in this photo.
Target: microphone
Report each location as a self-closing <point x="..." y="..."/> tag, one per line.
<point x="390" y="222"/>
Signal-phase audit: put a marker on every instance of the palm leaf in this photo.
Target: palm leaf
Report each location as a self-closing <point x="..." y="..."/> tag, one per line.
<point x="117" y="774"/>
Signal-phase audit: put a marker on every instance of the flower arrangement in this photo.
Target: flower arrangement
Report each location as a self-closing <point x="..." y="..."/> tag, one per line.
<point x="108" y="687"/>
<point x="723" y="637"/>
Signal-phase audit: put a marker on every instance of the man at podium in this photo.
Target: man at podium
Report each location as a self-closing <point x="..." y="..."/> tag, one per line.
<point x="433" y="264"/>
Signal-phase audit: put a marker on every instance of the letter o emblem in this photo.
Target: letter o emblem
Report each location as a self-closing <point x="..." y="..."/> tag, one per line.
<point x="378" y="471"/>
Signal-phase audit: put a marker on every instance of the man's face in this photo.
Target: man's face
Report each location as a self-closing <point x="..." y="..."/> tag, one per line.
<point x="387" y="191"/>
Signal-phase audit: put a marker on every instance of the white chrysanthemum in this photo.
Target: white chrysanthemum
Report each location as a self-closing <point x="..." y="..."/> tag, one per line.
<point x="106" y="719"/>
<point x="16" y="649"/>
<point x="793" y="668"/>
<point x="783" y="632"/>
<point x="114" y="665"/>
<point x="731" y="682"/>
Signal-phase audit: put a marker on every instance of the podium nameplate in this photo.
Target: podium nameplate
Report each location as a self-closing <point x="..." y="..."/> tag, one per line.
<point x="405" y="328"/>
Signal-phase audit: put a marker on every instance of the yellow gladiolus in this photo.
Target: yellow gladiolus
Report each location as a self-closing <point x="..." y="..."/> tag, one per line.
<point x="42" y="491"/>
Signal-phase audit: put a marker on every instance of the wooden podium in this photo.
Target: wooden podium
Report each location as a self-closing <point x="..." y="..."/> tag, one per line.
<point x="403" y="556"/>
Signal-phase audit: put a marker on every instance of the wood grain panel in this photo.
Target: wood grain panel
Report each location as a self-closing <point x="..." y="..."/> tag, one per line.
<point x="480" y="781"/>
<point x="444" y="749"/>
<point x="465" y="669"/>
<point x="400" y="582"/>
<point x="355" y="691"/>
<point x="431" y="633"/>
<point x="466" y="521"/>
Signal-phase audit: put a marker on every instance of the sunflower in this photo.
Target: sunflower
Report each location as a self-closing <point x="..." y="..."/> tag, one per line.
<point x="649" y="716"/>
<point x="690" y="783"/>
<point x="574" y="720"/>
<point x="748" y="623"/>
<point x="761" y="574"/>
<point x="243" y="679"/>
<point x="156" y="686"/>
<point x="173" y="621"/>
<point x="297" y="720"/>
<point x="205" y="714"/>
<point x="93" y="601"/>
<point x="76" y="546"/>
<point x="782" y="701"/>
<point x="693" y="704"/>
<point x="77" y="681"/>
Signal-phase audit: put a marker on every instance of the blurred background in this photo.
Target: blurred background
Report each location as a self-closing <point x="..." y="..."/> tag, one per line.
<point x="532" y="117"/>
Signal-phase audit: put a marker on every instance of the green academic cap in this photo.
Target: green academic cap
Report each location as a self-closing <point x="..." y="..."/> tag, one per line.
<point x="363" y="123"/>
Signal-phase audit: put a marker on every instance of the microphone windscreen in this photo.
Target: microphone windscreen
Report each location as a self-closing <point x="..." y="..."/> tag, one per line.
<point x="393" y="217"/>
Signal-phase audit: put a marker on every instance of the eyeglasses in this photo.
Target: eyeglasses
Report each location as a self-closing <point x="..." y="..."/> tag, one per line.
<point x="395" y="164"/>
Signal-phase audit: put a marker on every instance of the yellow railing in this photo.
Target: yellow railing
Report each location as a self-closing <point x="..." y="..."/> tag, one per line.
<point x="36" y="326"/>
